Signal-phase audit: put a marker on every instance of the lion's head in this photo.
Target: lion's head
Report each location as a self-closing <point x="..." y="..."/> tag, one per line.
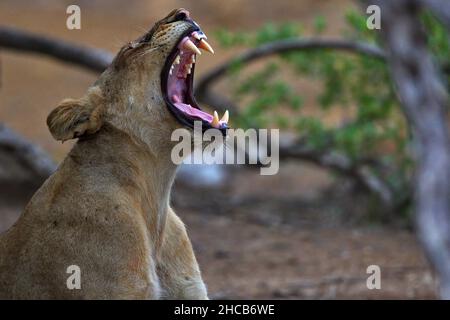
<point x="148" y="88"/>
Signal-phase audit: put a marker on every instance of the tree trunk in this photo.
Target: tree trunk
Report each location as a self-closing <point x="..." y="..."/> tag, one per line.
<point x="424" y="100"/>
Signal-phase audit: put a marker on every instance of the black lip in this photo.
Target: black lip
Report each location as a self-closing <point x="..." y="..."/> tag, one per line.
<point x="180" y="116"/>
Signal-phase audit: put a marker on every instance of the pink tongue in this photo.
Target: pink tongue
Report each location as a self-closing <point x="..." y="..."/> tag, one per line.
<point x="194" y="112"/>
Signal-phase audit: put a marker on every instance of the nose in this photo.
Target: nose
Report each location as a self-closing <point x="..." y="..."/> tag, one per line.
<point x="183" y="14"/>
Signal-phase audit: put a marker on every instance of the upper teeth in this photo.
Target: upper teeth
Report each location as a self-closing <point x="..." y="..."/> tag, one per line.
<point x="185" y="67"/>
<point x="189" y="45"/>
<point x="202" y="44"/>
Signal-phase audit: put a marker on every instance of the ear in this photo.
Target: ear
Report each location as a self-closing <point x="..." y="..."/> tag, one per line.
<point x="74" y="118"/>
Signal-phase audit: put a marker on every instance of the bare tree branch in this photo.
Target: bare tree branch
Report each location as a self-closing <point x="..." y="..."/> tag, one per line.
<point x="424" y="101"/>
<point x="204" y="95"/>
<point x="299" y="151"/>
<point x="28" y="154"/>
<point x="90" y="58"/>
<point x="23" y="169"/>
<point x="340" y="163"/>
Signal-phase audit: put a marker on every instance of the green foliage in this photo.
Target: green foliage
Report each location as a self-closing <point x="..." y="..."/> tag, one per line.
<point x="353" y="85"/>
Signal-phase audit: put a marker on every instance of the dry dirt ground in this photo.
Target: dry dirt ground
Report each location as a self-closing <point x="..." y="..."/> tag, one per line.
<point x="290" y="246"/>
<point x="245" y="260"/>
<point x="286" y="236"/>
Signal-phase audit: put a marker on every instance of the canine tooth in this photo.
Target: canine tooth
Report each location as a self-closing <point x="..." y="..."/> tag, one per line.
<point x="177" y="60"/>
<point x="215" y="122"/>
<point x="205" y="46"/>
<point x="188" y="44"/>
<point x="225" y="117"/>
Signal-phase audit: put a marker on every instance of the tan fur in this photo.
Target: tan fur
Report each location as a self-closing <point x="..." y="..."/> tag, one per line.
<point x="106" y="209"/>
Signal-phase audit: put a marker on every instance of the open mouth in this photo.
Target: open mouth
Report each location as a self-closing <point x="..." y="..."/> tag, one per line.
<point x="177" y="82"/>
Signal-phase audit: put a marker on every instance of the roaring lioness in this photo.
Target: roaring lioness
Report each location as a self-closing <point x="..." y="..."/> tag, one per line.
<point x="106" y="209"/>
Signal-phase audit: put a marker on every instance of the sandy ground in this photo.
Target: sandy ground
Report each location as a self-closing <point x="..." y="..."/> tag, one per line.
<point x="292" y="246"/>
<point x="255" y="237"/>
<point x="245" y="260"/>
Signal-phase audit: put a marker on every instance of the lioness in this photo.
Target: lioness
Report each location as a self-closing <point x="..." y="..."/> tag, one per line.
<point x="106" y="209"/>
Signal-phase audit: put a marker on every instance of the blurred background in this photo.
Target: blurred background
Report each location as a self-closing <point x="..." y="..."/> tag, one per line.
<point x="341" y="200"/>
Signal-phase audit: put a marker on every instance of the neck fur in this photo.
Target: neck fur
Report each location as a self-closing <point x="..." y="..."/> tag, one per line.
<point x="142" y="167"/>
